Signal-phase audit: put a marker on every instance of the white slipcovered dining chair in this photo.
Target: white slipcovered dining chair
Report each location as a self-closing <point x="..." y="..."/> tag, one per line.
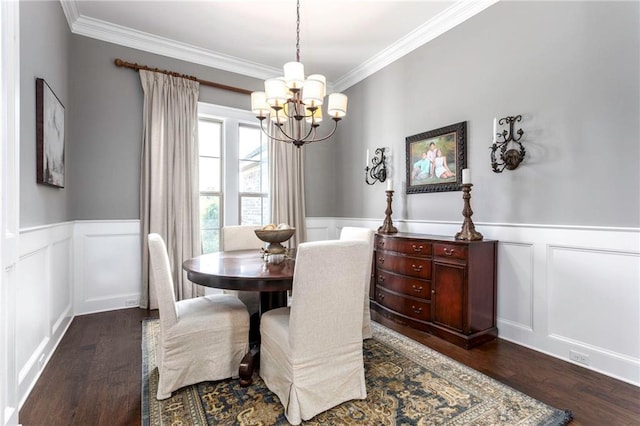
<point x="201" y="339"/>
<point x="311" y="352"/>
<point x="367" y="235"/>
<point x="243" y="237"/>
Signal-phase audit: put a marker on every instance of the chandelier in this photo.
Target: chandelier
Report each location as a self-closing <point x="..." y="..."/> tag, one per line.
<point x="296" y="101"/>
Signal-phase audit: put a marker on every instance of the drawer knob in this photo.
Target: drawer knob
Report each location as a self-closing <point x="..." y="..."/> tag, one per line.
<point x="381" y="278"/>
<point x="448" y="252"/>
<point x="381" y="260"/>
<point x="416" y="310"/>
<point x="417" y="249"/>
<point x="381" y="243"/>
<point x="417" y="268"/>
<point x="417" y="289"/>
<point x="380" y="296"/>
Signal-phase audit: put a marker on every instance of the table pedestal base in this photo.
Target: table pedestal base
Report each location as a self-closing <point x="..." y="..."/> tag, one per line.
<point x="247" y="366"/>
<point x="251" y="361"/>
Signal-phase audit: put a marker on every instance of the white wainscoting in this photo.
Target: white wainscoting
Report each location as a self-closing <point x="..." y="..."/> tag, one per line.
<point x="107" y="270"/>
<point x="43" y="301"/>
<point x="561" y="290"/>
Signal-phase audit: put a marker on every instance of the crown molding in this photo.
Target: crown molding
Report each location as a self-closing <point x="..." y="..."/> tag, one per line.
<point x="106" y="31"/>
<point x="113" y="33"/>
<point x="439" y="24"/>
<point x="70" y="9"/>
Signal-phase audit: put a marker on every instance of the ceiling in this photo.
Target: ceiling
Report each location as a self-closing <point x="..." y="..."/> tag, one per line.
<point x="346" y="40"/>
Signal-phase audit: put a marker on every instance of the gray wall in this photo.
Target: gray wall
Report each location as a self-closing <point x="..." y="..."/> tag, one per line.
<point x="106" y="132"/>
<point x="44" y="52"/>
<point x="570" y="68"/>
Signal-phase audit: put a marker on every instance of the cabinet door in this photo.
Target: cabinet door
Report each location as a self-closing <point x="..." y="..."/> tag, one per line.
<point x="448" y="296"/>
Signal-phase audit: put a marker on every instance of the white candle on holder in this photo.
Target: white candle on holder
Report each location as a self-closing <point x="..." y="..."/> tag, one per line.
<point x="366" y="159"/>
<point x="389" y="185"/>
<point x="495" y="129"/>
<point x="466" y="176"/>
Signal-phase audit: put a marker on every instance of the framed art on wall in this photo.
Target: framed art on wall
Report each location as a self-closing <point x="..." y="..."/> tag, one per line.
<point x="50" y="138"/>
<point x="435" y="159"/>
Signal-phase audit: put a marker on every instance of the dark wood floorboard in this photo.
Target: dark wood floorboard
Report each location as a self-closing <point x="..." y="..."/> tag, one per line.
<point x="93" y="378"/>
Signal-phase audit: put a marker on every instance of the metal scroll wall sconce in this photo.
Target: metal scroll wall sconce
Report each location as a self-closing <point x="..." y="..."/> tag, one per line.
<point x="378" y="170"/>
<point x="511" y="150"/>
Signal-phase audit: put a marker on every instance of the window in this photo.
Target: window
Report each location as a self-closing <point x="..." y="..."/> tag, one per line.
<point x="253" y="176"/>
<point x="234" y="172"/>
<point x="210" y="144"/>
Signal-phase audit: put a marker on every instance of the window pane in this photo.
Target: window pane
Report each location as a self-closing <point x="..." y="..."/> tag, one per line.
<point x="265" y="173"/>
<point x="266" y="210"/>
<point x="251" y="210"/>
<point x="250" y="176"/>
<point x="210" y="241"/>
<point x="209" y="136"/>
<point x="250" y="142"/>
<point x="209" y="174"/>
<point x="209" y="212"/>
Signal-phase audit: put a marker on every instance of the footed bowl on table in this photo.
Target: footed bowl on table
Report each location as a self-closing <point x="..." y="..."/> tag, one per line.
<point x="274" y="239"/>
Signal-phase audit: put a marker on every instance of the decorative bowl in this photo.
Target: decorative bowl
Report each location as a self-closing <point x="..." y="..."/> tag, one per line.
<point x="274" y="238"/>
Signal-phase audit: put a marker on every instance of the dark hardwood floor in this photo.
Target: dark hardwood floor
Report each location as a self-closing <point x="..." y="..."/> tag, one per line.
<point x="93" y="378"/>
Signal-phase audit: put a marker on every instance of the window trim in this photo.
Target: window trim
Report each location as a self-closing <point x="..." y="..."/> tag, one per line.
<point x="231" y="119"/>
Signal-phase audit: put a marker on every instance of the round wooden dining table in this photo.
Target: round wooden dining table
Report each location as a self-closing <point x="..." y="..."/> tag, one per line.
<point x="245" y="270"/>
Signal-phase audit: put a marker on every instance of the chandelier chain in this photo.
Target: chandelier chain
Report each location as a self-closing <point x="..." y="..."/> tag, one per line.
<point x="298" y="31"/>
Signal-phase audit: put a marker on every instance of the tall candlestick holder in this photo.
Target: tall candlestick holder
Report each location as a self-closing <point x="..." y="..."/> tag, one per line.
<point x="387" y="226"/>
<point x="468" y="231"/>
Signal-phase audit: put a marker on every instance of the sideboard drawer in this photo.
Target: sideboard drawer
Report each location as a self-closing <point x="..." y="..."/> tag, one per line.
<point x="410" y="266"/>
<point x="405" y="246"/>
<point x="420" y="310"/>
<point x="401" y="284"/>
<point x="452" y="251"/>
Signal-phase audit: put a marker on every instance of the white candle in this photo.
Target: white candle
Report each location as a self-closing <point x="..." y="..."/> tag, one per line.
<point x="389" y="185"/>
<point x="466" y="176"/>
<point x="495" y="129"/>
<point x="366" y="159"/>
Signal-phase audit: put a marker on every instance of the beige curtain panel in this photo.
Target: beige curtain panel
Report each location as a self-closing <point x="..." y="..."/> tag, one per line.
<point x="169" y="177"/>
<point x="286" y="175"/>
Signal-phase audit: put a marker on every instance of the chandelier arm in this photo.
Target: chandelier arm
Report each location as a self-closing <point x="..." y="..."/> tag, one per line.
<point x="335" y="126"/>
<point x="283" y="133"/>
<point x="272" y="136"/>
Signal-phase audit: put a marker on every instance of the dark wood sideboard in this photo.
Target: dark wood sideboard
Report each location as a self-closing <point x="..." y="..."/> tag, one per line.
<point x="437" y="284"/>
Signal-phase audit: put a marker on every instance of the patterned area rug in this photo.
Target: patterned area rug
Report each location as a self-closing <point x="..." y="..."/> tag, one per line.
<point x="407" y="384"/>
